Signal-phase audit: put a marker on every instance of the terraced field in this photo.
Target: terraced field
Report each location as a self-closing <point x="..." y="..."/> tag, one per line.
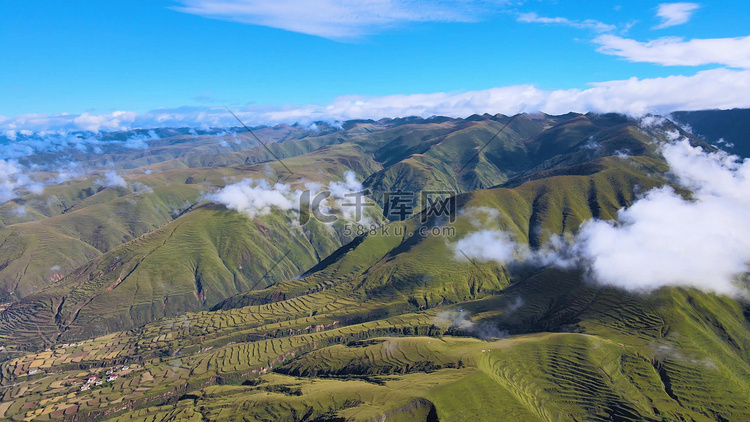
<point x="312" y="366"/>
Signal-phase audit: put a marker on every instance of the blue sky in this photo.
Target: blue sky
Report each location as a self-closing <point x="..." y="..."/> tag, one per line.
<point x="284" y="60"/>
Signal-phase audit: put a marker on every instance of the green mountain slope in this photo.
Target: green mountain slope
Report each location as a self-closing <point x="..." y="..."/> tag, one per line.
<point x="191" y="263"/>
<point x="64" y="227"/>
<point x="463" y="159"/>
<point x="67" y="232"/>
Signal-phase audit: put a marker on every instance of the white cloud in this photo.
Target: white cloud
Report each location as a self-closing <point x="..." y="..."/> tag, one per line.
<point x="489" y="245"/>
<point x="717" y="88"/>
<point x="118" y="120"/>
<point x="665" y="240"/>
<point x="499" y="246"/>
<point x="135" y="143"/>
<point x="672" y="14"/>
<point x="20" y="211"/>
<point x="584" y="24"/>
<point x="56" y="140"/>
<point x="112" y="180"/>
<point x="14" y="178"/>
<point x="481" y="216"/>
<point x="139" y="188"/>
<point x="68" y="171"/>
<point x="42" y="143"/>
<point x="661" y="240"/>
<point x="342" y="194"/>
<point x="453" y="319"/>
<point x="256" y="198"/>
<point x="338" y="19"/>
<point x="672" y="51"/>
<point x="652" y="121"/>
<point x="107" y="122"/>
<point x="140" y="141"/>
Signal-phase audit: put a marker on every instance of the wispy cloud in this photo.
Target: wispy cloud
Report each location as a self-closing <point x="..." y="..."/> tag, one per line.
<point x="673" y="14"/>
<point x="460" y="320"/>
<point x="338" y="19"/>
<point x="583" y="24"/>
<point x="672" y="51"/>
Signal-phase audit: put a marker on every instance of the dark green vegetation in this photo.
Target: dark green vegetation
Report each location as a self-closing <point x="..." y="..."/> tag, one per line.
<point x="375" y="326"/>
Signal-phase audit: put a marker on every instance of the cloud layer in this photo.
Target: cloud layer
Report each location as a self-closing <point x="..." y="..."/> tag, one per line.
<point x="26" y="142"/>
<point x="716" y="88"/>
<point x="663" y="239"/>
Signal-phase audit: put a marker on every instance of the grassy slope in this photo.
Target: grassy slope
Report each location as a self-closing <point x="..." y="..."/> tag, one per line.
<point x="189" y="264"/>
<point x="674" y="355"/>
<point x="69" y="222"/>
<point x="67" y="232"/>
<point x="462" y="160"/>
<point x="67" y="225"/>
<point x="626" y="373"/>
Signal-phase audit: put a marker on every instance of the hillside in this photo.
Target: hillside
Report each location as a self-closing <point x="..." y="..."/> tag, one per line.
<point x="313" y="354"/>
<point x="214" y="314"/>
<point x="102" y="218"/>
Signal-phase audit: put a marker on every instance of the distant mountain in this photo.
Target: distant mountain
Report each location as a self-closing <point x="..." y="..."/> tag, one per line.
<point x="731" y="126"/>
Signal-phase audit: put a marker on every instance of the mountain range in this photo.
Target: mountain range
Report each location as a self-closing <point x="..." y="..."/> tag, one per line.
<point x="184" y="269"/>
